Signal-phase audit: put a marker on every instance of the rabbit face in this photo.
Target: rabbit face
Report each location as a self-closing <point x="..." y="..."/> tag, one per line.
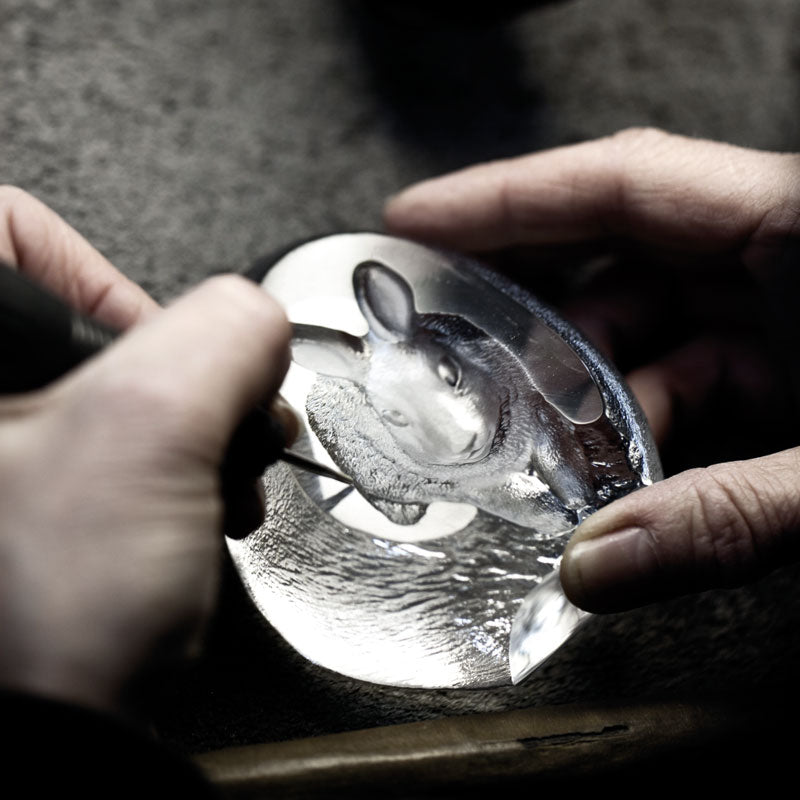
<point x="426" y="375"/>
<point x="432" y="400"/>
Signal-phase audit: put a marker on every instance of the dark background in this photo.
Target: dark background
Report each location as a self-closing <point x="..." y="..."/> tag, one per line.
<point x="186" y="137"/>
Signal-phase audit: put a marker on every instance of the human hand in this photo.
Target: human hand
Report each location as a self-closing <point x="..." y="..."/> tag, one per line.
<point x="695" y="221"/>
<point x="109" y="478"/>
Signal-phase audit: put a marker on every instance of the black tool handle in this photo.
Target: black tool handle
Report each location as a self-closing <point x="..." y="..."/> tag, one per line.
<point x="41" y="338"/>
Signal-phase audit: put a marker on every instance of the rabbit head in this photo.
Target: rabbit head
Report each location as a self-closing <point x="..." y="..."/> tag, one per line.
<point x="428" y="376"/>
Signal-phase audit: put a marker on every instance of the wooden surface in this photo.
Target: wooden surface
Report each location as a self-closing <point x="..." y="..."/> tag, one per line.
<point x="659" y="744"/>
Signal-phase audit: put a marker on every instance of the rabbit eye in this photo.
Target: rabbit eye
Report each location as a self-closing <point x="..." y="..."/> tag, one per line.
<point x="449" y="372"/>
<point x="395" y="417"/>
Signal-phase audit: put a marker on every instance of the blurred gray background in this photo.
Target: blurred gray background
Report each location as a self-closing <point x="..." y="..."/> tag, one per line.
<point x="185" y="137"/>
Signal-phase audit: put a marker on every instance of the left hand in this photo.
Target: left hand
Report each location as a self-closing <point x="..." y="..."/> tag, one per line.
<point x="696" y="230"/>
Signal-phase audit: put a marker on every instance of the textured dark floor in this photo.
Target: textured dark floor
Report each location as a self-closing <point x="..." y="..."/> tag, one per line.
<point x="187" y="137"/>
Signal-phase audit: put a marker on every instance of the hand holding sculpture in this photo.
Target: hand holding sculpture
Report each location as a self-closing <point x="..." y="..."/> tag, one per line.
<point x="706" y="211"/>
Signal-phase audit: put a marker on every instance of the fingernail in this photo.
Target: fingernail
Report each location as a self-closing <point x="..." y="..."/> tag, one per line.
<point x="612" y="572"/>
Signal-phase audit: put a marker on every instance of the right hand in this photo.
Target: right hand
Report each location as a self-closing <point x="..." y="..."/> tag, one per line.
<point x="109" y="478"/>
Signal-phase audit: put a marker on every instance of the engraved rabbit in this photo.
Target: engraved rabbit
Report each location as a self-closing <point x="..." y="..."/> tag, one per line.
<point x="428" y="406"/>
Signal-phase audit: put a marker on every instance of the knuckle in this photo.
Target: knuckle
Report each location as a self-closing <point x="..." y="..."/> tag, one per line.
<point x="637" y="137"/>
<point x="732" y="524"/>
<point x="628" y="156"/>
<point x="28" y="227"/>
<point x="15" y="202"/>
<point x="12" y="195"/>
<point x="250" y="304"/>
<point x="780" y="220"/>
<point x="235" y="288"/>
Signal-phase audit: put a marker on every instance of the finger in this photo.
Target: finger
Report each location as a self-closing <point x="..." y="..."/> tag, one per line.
<point x="703" y="529"/>
<point x="185" y="378"/>
<point x="244" y="510"/>
<point x="286" y="417"/>
<point x="37" y="241"/>
<point x="633" y="311"/>
<point x="685" y="383"/>
<point x="643" y="184"/>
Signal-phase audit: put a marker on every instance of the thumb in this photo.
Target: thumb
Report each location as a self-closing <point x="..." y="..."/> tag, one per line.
<point x="718" y="527"/>
<point x="183" y="379"/>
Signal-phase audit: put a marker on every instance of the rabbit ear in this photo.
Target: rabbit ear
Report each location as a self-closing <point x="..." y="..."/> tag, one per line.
<point x="329" y="352"/>
<point x="386" y="300"/>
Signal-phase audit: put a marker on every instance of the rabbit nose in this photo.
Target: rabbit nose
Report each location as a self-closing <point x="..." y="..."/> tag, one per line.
<point x="395" y="417"/>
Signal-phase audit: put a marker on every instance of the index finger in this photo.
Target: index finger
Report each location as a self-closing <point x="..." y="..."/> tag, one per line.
<point x="643" y="184"/>
<point x="40" y="243"/>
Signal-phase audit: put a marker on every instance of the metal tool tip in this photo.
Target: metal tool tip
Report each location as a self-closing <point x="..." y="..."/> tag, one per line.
<point x="308" y="464"/>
